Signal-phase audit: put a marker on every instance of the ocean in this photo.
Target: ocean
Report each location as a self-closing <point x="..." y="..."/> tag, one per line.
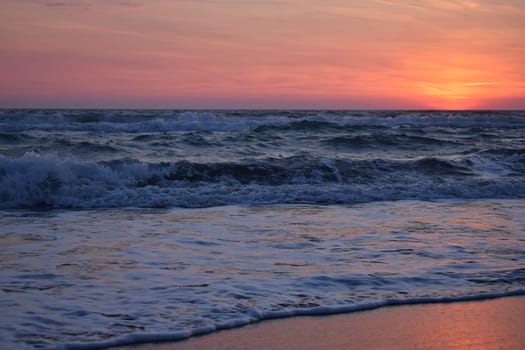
<point x="127" y="226"/>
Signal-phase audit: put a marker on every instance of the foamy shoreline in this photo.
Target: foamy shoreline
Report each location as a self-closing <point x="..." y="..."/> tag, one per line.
<point x="488" y="324"/>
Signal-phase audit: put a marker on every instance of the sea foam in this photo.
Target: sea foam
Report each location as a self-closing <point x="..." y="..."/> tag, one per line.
<point x="115" y="277"/>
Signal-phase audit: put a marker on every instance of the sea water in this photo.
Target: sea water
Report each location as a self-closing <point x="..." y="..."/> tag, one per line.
<point x="125" y="226"/>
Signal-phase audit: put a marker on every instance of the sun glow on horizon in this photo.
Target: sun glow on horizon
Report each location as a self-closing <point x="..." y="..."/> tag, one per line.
<point x="454" y="95"/>
<point x="459" y="80"/>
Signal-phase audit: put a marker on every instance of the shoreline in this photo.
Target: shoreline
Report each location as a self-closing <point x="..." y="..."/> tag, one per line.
<point x="492" y="323"/>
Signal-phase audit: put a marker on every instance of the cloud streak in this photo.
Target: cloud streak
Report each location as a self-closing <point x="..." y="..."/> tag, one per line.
<point x="131" y="5"/>
<point x="89" y="4"/>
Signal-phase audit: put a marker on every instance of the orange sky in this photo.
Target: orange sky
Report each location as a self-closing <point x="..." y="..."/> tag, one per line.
<point x="380" y="54"/>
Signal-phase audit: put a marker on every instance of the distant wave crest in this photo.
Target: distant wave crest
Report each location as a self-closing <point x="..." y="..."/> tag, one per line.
<point x="134" y="121"/>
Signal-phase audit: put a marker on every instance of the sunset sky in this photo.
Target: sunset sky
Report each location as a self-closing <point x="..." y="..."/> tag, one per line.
<point x="377" y="54"/>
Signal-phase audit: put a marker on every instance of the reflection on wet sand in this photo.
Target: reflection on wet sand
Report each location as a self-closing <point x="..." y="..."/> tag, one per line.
<point x="486" y="325"/>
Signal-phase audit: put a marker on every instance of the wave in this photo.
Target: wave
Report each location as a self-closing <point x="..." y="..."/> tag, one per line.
<point x="304" y="124"/>
<point x="34" y="181"/>
<point x="13" y="138"/>
<point x="143" y="121"/>
<point x="379" y="139"/>
<point x="503" y="151"/>
<point x="254" y="316"/>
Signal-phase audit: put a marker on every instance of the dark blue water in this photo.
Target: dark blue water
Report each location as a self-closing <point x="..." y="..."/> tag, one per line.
<point x="120" y="227"/>
<point x="117" y="158"/>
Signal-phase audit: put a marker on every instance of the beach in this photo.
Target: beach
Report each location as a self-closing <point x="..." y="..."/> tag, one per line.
<point x="489" y="324"/>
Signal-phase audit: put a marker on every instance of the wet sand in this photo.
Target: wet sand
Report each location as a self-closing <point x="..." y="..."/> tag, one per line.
<point x="489" y="324"/>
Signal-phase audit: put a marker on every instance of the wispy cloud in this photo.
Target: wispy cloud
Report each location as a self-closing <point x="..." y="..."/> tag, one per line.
<point x="88" y="4"/>
<point x="131" y="5"/>
<point x="55" y="4"/>
<point x="366" y="13"/>
<point x="71" y="3"/>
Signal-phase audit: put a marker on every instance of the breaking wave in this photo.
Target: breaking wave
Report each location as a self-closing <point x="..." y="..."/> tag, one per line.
<point x="34" y="181"/>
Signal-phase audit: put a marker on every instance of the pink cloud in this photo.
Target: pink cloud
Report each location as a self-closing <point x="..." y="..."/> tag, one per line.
<point x="88" y="3"/>
<point x="55" y="4"/>
<point x="131" y="5"/>
<point x="50" y="3"/>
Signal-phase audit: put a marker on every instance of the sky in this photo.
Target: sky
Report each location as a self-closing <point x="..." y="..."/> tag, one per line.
<point x="272" y="54"/>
